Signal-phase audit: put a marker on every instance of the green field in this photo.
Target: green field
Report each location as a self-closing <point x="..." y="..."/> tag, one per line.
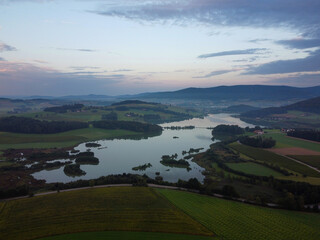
<point x="112" y="235"/>
<point x="272" y="158"/>
<point x="65" y="139"/>
<point x="253" y="168"/>
<point x="231" y="220"/>
<point x="313" y="161"/>
<point x="284" y="142"/>
<point x="96" y="209"/>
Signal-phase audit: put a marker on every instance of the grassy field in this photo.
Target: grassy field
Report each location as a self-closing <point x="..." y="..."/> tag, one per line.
<point x="272" y="158"/>
<point x="65" y="139"/>
<point x="310" y="160"/>
<point x="231" y="220"/>
<point x="253" y="168"/>
<point x="283" y="141"/>
<point x="97" y="209"/>
<point x="112" y="235"/>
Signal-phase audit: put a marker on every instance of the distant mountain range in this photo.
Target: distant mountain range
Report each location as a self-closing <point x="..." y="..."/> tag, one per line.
<point x="221" y="93"/>
<point x="238" y="92"/>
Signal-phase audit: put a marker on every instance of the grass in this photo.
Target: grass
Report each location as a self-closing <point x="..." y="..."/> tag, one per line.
<point x="284" y="142"/>
<point x="65" y="139"/>
<point x="115" y="235"/>
<point x="231" y="220"/>
<point x="272" y="158"/>
<point x="96" y="209"/>
<point x="254" y="169"/>
<point x="311" y="160"/>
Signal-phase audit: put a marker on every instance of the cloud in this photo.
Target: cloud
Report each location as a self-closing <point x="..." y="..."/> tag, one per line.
<point x="300" y="43"/>
<point x="27" y="79"/>
<point x="299" y="80"/>
<point x="6" y="48"/>
<point x="2" y="59"/>
<point x="233" y="52"/>
<point x="216" y="73"/>
<point x="123" y="70"/>
<point x="258" y="40"/>
<point x="77" y="49"/>
<point x="296" y="14"/>
<point x="307" y="64"/>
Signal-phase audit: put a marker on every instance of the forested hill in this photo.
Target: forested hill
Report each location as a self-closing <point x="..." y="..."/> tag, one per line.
<point x="248" y="92"/>
<point x="310" y="105"/>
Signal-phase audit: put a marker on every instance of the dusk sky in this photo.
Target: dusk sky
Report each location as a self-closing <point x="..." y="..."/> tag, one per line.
<point x="112" y="47"/>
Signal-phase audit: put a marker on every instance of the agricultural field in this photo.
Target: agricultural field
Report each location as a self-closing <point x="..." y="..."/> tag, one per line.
<point x="253" y="168"/>
<point x="285" y="142"/>
<point x="231" y="220"/>
<point x="261" y="155"/>
<point x="112" y="235"/>
<point x="97" y="209"/>
<point x="65" y="139"/>
<point x="313" y="161"/>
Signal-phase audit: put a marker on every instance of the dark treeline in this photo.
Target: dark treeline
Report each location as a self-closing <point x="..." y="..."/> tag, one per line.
<point x="113" y="116"/>
<point x="29" y="125"/>
<point x="128" y="125"/>
<point x="64" y="108"/>
<point x="228" y="129"/>
<point x="132" y="102"/>
<point x="258" y="141"/>
<point x="312" y="135"/>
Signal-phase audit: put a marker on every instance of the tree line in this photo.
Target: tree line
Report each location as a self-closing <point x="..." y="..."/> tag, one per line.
<point x="259" y="141"/>
<point x="29" y="125"/>
<point x="64" y="108"/>
<point x="312" y="135"/>
<point x="128" y="125"/>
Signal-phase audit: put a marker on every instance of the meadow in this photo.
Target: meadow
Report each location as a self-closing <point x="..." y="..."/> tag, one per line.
<point x="253" y="168"/>
<point x="231" y="220"/>
<point x="96" y="209"/>
<point x="272" y="158"/>
<point x="284" y="142"/>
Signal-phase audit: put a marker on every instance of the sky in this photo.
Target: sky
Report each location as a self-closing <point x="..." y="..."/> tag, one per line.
<point x="115" y="47"/>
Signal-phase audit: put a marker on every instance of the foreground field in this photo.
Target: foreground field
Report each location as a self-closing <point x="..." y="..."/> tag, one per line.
<point x="104" y="209"/>
<point x="232" y="220"/>
<point x="111" y="235"/>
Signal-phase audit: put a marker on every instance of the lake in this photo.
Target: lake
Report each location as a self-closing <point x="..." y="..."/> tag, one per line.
<point x="121" y="155"/>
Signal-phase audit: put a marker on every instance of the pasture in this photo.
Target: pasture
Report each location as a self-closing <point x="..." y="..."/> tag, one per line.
<point x="285" y="142"/>
<point x="96" y="209"/>
<point x="231" y="220"/>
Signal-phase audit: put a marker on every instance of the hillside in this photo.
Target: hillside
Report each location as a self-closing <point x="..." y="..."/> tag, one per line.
<point x="305" y="112"/>
<point x="237" y="92"/>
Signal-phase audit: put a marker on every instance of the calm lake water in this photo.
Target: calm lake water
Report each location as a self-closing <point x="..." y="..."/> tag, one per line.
<point x="121" y="155"/>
